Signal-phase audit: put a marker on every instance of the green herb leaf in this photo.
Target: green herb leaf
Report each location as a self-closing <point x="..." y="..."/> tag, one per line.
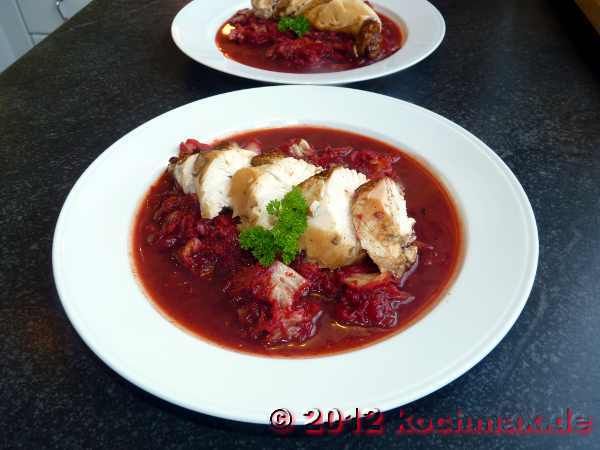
<point x="291" y="224"/>
<point x="274" y="207"/>
<point x="299" y="25"/>
<point x="261" y="243"/>
<point x="283" y="239"/>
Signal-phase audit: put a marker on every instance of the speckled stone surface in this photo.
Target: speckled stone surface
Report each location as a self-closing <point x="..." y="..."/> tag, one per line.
<point x="521" y="75"/>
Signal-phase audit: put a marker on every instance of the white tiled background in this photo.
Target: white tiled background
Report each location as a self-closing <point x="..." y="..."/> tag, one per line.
<point x="25" y="23"/>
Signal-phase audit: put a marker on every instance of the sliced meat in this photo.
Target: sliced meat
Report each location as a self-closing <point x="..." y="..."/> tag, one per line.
<point x="183" y="172"/>
<point x="294" y="7"/>
<point x="269" y="178"/>
<point x="267" y="158"/>
<point x="346" y="16"/>
<point x="212" y="173"/>
<point x="369" y="39"/>
<point x="383" y="227"/>
<point x="264" y="8"/>
<point x="330" y="239"/>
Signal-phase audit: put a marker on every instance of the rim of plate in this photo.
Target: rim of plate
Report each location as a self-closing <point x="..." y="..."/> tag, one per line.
<point x="422" y="24"/>
<point x="131" y="358"/>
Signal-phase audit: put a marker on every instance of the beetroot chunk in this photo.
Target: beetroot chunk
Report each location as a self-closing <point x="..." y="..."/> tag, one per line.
<point x="202" y="246"/>
<point x="270" y="305"/>
<point x="214" y="246"/>
<point x="371" y="300"/>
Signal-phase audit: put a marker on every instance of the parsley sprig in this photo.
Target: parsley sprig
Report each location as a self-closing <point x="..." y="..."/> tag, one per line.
<point x="299" y="25"/>
<point x="282" y="240"/>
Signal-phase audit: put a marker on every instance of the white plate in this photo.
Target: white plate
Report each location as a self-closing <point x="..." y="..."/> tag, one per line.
<point x="195" y="27"/>
<point x="94" y="278"/>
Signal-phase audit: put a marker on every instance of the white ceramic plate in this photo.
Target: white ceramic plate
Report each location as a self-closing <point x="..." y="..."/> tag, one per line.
<point x="111" y="313"/>
<point x="195" y="27"/>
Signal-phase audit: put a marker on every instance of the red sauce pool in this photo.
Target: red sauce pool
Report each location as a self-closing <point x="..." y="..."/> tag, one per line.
<point x="200" y="306"/>
<point x="256" y="55"/>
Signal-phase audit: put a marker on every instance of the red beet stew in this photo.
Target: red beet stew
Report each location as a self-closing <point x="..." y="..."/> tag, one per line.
<point x="260" y="42"/>
<point x="196" y="272"/>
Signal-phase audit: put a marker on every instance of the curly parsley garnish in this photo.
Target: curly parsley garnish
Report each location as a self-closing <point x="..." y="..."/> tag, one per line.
<point x="282" y="240"/>
<point x="299" y="25"/>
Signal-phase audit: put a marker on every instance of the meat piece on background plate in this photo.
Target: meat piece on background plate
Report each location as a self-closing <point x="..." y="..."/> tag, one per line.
<point x="264" y="8"/>
<point x="383" y="227"/>
<point x="270" y="305"/>
<point x="330" y="239"/>
<point x="270" y="177"/>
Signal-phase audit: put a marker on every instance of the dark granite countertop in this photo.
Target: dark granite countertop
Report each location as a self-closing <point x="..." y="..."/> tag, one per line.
<point x="521" y="75"/>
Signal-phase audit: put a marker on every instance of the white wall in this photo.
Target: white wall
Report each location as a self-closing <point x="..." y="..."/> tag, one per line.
<point x="14" y="37"/>
<point x="6" y="52"/>
<point x="25" y="23"/>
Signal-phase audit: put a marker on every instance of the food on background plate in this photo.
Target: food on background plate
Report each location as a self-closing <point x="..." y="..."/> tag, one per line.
<point x="295" y="241"/>
<point x="309" y="35"/>
<point x="354" y="17"/>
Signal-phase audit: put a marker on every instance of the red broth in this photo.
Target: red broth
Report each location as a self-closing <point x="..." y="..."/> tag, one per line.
<point x="201" y="307"/>
<point x="312" y="59"/>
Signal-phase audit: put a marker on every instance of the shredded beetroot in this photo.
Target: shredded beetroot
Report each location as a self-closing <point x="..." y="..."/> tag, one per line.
<point x="263" y="317"/>
<point x="373" y="164"/>
<point x="323" y="282"/>
<point x="215" y="247"/>
<point x="250" y="282"/>
<point x="331" y="156"/>
<point x="174" y="221"/>
<point x="314" y="49"/>
<point x="191" y="146"/>
<point x="202" y="246"/>
<point x="373" y="305"/>
<point x="252" y="30"/>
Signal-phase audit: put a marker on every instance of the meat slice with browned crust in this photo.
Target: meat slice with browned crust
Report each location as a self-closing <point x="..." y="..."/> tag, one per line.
<point x="270" y="177"/>
<point x="355" y="17"/>
<point x="383" y="227"/>
<point x="213" y="171"/>
<point x="208" y="175"/>
<point x="369" y="39"/>
<point x="330" y="239"/>
<point x="182" y="170"/>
